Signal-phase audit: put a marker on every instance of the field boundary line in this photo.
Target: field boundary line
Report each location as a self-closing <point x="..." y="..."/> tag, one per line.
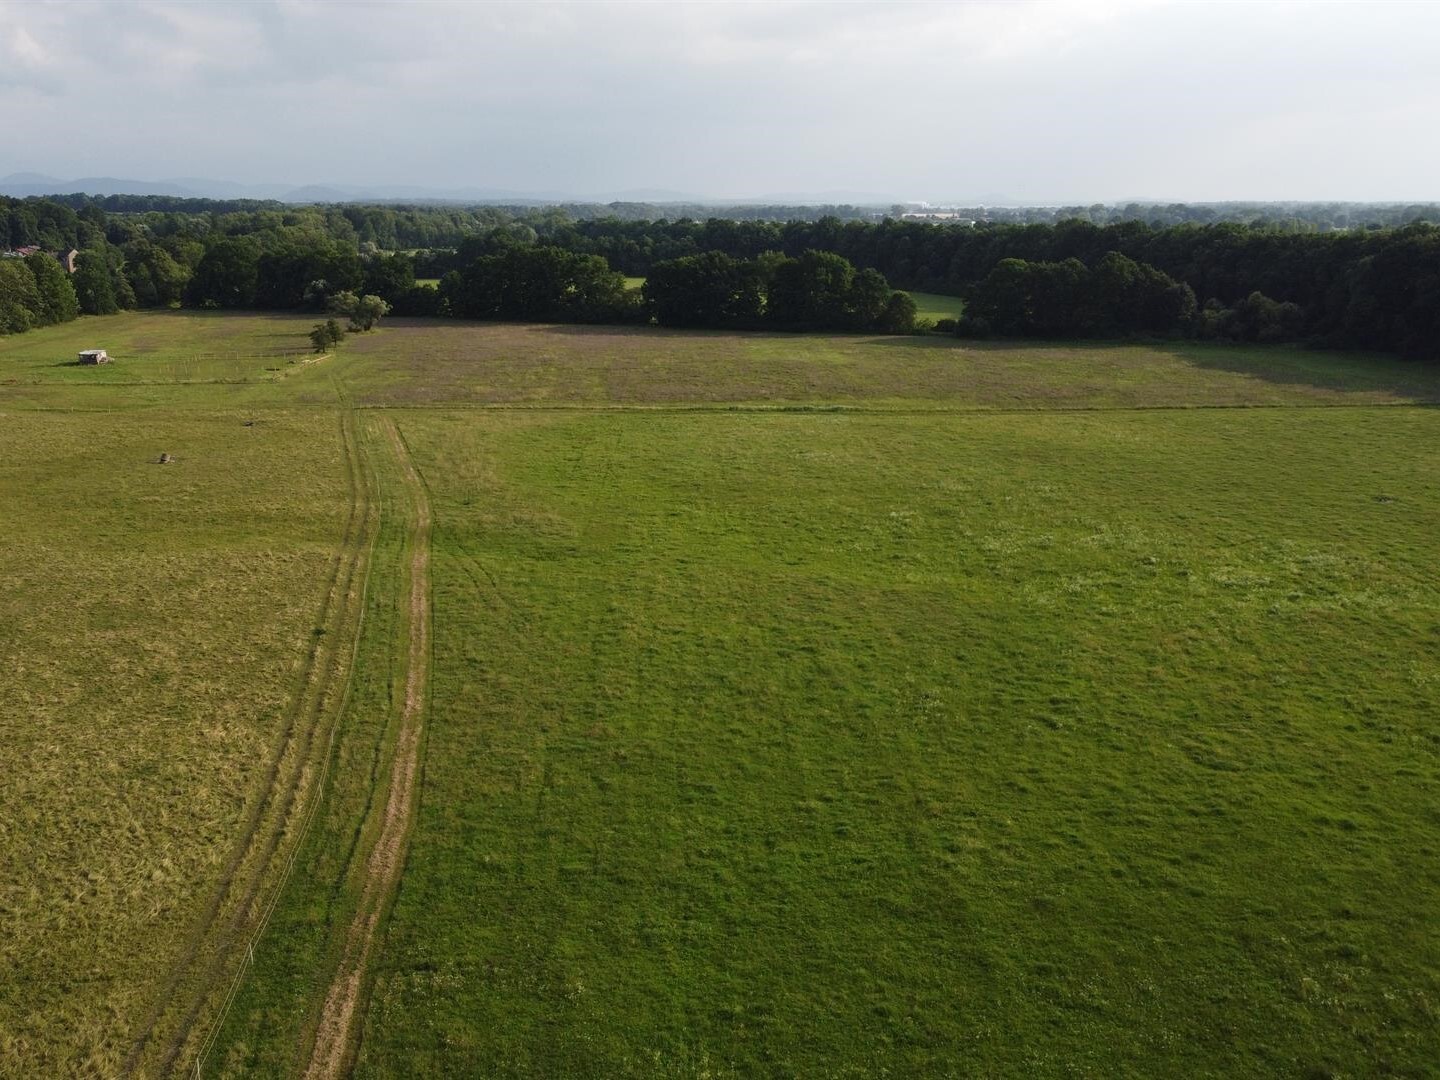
<point x="828" y="409"/>
<point x="336" y="1031"/>
<point x="776" y="410"/>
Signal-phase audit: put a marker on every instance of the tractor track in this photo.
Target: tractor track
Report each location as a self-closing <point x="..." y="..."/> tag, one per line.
<point x="212" y="949"/>
<point x="337" y="1027"/>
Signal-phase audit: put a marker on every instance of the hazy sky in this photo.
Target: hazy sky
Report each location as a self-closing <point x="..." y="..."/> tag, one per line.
<point x="1071" y="102"/>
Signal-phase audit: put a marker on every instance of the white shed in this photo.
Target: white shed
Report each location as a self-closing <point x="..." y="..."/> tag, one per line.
<point x="94" y="356"/>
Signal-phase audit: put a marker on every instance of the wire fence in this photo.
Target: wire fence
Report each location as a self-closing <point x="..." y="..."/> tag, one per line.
<point x="202" y="367"/>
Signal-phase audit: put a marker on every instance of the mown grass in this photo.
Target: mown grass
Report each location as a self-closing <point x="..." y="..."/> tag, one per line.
<point x="823" y="705"/>
<point x="914" y="745"/>
<point x="159" y="347"/>
<point x="430" y="363"/>
<point x="934" y="306"/>
<point x="152" y="622"/>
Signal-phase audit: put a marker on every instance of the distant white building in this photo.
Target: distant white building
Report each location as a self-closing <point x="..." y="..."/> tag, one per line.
<point x="937" y="215"/>
<point x="94" y="356"/>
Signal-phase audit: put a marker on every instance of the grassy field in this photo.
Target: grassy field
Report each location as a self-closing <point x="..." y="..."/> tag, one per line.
<point x="160" y="348"/>
<point x="154" y="621"/>
<point x="925" y="745"/>
<point x="933" y="306"/>
<point x="811" y="705"/>
<point x="426" y="364"/>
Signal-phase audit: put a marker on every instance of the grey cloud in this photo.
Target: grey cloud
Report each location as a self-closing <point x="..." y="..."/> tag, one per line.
<point x="1076" y="101"/>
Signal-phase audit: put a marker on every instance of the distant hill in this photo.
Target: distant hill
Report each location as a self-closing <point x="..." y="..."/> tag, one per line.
<point x="24" y="184"/>
<point x="21" y="185"/>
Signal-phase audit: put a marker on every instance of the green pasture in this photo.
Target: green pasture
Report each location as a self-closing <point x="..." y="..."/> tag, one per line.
<point x="800" y="705"/>
<point x="431" y="363"/>
<point x="159" y="348"/>
<point x="934" y="307"/>
<point x="153" y="619"/>
<point x="911" y="745"/>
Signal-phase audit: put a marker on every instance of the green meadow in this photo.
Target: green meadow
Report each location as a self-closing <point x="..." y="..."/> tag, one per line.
<point x="833" y="745"/>
<point x="794" y="705"/>
<point x="933" y="306"/>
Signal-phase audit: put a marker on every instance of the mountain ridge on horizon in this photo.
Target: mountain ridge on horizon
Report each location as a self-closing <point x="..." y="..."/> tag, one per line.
<point x="26" y="184"/>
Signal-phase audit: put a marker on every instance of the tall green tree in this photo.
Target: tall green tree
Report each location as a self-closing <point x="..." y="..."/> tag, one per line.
<point x="536" y="283"/>
<point x="869" y="296"/>
<point x="226" y="276"/>
<point x="155" y="277"/>
<point x="899" y="314"/>
<point x="363" y="311"/>
<point x="56" y="294"/>
<point x="94" y="287"/>
<point x="389" y="276"/>
<point x="19" y="298"/>
<point x="812" y="292"/>
<point x="712" y="290"/>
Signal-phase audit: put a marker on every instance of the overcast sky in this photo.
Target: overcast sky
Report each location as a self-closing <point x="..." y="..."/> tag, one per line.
<point x="1067" y="102"/>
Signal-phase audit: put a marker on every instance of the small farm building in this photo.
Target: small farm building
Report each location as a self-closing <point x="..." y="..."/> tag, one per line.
<point x="94" y="356"/>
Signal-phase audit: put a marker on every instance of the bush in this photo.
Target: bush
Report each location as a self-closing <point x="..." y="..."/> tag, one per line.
<point x="899" y="314"/>
<point x="326" y="334"/>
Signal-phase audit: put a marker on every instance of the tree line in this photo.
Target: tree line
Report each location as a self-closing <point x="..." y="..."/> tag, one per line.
<point x="35" y="291"/>
<point x="302" y="260"/>
<point x="1370" y="289"/>
<point x="1359" y="288"/>
<point x="817" y="291"/>
<point x="1116" y="296"/>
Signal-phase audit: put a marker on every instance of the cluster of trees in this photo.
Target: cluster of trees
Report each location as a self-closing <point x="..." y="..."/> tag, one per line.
<point x="1116" y="296"/>
<point x="817" y="291"/>
<point x="362" y="311"/>
<point x="326" y="335"/>
<point x="1257" y="318"/>
<point x="1373" y="288"/>
<point x="537" y="283"/>
<point x="35" y="291"/>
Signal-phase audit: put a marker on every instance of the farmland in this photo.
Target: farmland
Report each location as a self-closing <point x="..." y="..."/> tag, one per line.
<point x="770" y="704"/>
<point x="934" y="307"/>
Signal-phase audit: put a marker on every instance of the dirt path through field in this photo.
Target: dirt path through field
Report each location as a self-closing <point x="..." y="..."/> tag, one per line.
<point x="336" y="1034"/>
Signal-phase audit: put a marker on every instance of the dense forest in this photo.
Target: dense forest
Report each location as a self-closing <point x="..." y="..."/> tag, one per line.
<point x="1372" y="287"/>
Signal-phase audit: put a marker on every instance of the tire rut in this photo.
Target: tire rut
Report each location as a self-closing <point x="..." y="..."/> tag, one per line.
<point x="337" y="1029"/>
<point x="284" y="783"/>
